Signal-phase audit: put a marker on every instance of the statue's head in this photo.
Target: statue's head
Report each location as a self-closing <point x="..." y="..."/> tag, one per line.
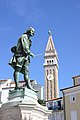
<point x="30" y="31"/>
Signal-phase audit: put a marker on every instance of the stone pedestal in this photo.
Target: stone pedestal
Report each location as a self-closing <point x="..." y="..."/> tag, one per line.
<point x="23" y="105"/>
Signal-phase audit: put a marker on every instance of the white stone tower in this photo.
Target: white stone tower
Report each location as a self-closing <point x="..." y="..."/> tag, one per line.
<point x="51" y="89"/>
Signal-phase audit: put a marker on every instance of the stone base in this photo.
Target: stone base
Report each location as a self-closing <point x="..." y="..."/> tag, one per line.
<point x="24" y="112"/>
<point x="23" y="105"/>
<point x="22" y="95"/>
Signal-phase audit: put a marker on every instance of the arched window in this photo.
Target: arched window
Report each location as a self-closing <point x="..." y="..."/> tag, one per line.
<point x="50" y="61"/>
<point x="47" y="72"/>
<point x="50" y="71"/>
<point x="47" y="62"/>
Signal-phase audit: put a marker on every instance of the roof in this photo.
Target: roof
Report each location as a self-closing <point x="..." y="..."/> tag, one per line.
<point x="11" y="81"/>
<point x="76" y="76"/>
<point x="50" y="44"/>
<point x="54" y="99"/>
<point x="69" y="87"/>
<point x="3" y="80"/>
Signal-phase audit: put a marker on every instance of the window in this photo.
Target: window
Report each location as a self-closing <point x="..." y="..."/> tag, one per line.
<point x="78" y="80"/>
<point x="0" y="95"/>
<point x="72" y="98"/>
<point x="50" y="89"/>
<point x="7" y="84"/>
<point x="47" y="62"/>
<point x="50" y="71"/>
<point x="74" y="115"/>
<point x="47" y="72"/>
<point x="50" y="107"/>
<point x="50" y="61"/>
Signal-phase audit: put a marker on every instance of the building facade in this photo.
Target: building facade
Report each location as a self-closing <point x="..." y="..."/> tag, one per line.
<point x="56" y="115"/>
<point x="76" y="80"/>
<point x="56" y="105"/>
<point x="39" y="88"/>
<point x="71" y="100"/>
<point x="51" y="89"/>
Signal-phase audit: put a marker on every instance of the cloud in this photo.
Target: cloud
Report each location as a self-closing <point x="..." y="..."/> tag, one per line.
<point x="4" y="28"/>
<point x="28" y="9"/>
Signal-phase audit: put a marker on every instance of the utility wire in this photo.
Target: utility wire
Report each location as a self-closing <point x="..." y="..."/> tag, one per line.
<point x="39" y="55"/>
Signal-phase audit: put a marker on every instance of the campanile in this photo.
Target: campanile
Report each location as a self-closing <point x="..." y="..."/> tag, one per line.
<point x="51" y="89"/>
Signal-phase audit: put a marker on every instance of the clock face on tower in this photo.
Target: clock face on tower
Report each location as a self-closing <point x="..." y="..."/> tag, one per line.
<point x="50" y="77"/>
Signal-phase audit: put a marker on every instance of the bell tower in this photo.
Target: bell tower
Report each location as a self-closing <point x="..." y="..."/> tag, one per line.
<point x="51" y="89"/>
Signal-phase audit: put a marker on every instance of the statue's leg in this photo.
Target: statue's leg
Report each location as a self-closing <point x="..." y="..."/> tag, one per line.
<point x="16" y="78"/>
<point x="27" y="79"/>
<point x="28" y="84"/>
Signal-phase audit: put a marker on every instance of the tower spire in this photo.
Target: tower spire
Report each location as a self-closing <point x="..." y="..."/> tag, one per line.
<point x="50" y="43"/>
<point x="50" y="33"/>
<point x="51" y="70"/>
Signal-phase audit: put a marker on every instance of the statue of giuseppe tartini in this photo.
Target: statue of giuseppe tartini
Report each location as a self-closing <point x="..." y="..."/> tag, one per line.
<point x="21" y="57"/>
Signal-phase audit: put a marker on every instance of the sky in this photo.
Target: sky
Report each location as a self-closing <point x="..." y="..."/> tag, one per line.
<point x="61" y="17"/>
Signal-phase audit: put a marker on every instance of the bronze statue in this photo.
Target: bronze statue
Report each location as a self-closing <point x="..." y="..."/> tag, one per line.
<point x="21" y="57"/>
